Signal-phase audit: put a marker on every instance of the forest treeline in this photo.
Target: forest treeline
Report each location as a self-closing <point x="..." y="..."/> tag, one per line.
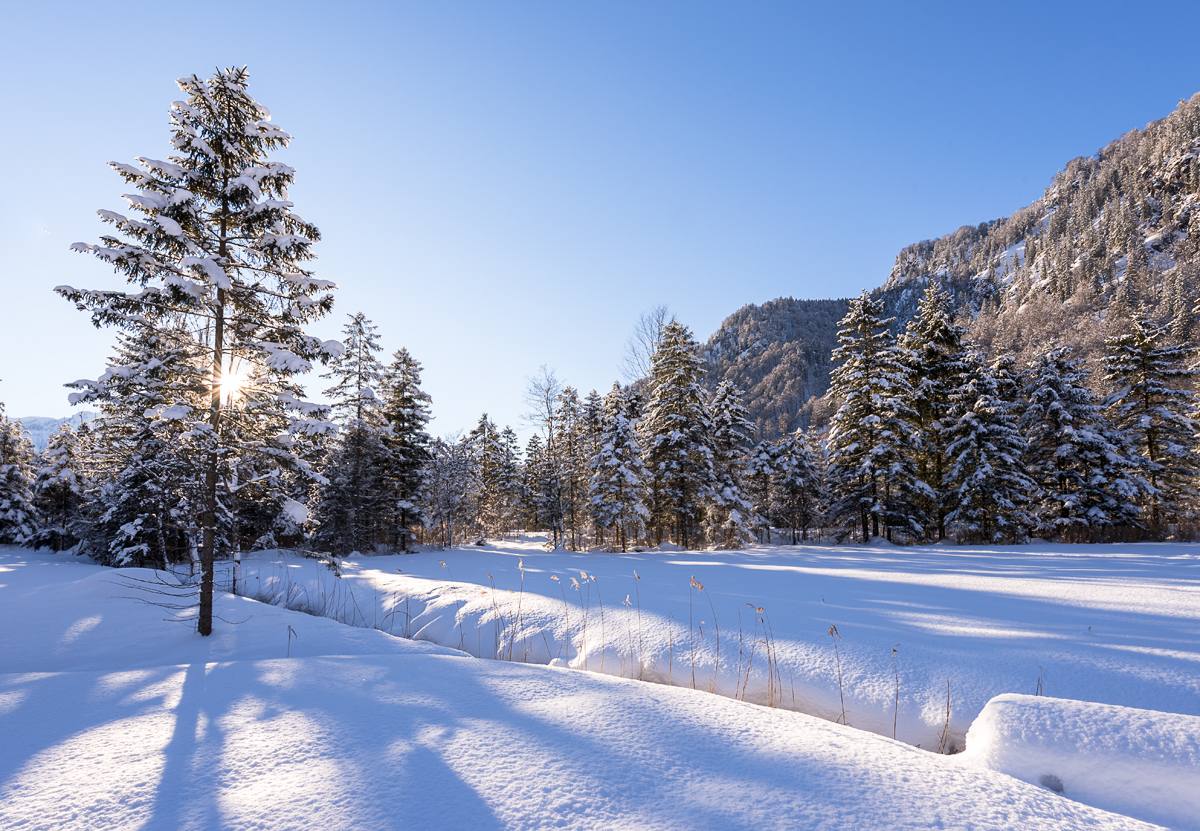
<point x="941" y="425"/>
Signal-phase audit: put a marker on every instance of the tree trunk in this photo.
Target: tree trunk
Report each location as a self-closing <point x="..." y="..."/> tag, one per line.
<point x="208" y="544"/>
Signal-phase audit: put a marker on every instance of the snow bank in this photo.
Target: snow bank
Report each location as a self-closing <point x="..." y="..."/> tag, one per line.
<point x="1141" y="763"/>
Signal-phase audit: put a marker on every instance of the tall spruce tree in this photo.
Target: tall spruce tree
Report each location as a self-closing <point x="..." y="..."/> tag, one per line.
<point x="219" y="246"/>
<point x="145" y="491"/>
<point x="799" y="492"/>
<point x="1152" y="405"/>
<point x="676" y="436"/>
<point x="1086" y="483"/>
<point x="18" y="516"/>
<point x="935" y="352"/>
<point x="872" y="439"/>
<point x="730" y="514"/>
<point x="58" y="492"/>
<point x="618" y="481"/>
<point x="351" y="506"/>
<point x="985" y="484"/>
<point x="761" y="469"/>
<point x="406" y="408"/>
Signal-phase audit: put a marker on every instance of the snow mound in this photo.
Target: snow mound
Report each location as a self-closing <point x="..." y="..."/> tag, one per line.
<point x="666" y="546"/>
<point x="1142" y="763"/>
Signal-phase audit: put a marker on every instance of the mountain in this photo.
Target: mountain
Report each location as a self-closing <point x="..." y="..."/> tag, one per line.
<point x="1113" y="231"/>
<point x="41" y="428"/>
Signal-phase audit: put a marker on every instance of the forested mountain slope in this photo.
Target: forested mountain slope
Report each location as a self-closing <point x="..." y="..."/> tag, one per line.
<point x="1113" y="231"/>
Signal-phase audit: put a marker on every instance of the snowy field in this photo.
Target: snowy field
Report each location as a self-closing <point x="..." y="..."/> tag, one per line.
<point x="114" y="714"/>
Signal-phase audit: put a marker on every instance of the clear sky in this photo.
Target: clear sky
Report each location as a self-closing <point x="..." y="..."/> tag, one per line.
<point x="506" y="185"/>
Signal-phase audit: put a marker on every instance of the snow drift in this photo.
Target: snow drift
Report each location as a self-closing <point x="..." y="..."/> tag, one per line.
<point x="1138" y="762"/>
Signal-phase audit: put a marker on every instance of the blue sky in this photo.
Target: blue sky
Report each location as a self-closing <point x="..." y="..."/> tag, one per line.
<point x="506" y="185"/>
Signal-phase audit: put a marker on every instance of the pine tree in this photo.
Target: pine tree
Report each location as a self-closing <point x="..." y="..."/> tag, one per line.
<point x="146" y="493"/>
<point x="761" y="469"/>
<point x="618" y="481"/>
<point x="798" y="484"/>
<point x="357" y="373"/>
<point x="406" y="408"/>
<point x="220" y="247"/>
<point x="936" y="354"/>
<point x="1153" y="407"/>
<point x="573" y="442"/>
<point x="676" y="436"/>
<point x="872" y="438"/>
<point x="493" y="469"/>
<point x="58" y="492"/>
<point x="985" y="484"/>
<point x="352" y="503"/>
<point x="18" y="516"/>
<point x="730" y="514"/>
<point x="449" y="488"/>
<point x="1085" y="478"/>
<point x="539" y="488"/>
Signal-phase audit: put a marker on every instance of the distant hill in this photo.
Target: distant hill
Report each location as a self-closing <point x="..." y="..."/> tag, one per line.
<point x="1113" y="231"/>
<point x="41" y="428"/>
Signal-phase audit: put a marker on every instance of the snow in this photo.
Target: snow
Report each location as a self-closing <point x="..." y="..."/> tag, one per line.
<point x="116" y="714"/>
<point x="1123" y="759"/>
<point x="216" y="275"/>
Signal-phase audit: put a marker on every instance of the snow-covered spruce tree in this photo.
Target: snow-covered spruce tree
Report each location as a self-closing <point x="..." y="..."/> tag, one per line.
<point x="540" y="494"/>
<point x="676" y="436"/>
<point x="575" y="444"/>
<point x="1086" y="481"/>
<point x="406" y="408"/>
<point x="798" y="487"/>
<point x="144" y="493"/>
<point x="493" y="468"/>
<point x="218" y="246"/>
<point x="872" y="440"/>
<point x="761" y="466"/>
<point x="934" y="350"/>
<point x="58" y="492"/>
<point x="449" y="489"/>
<point x="985" y="485"/>
<point x="618" y="481"/>
<point x="351" y="504"/>
<point x="18" y="517"/>
<point x="730" y="515"/>
<point x="1153" y="407"/>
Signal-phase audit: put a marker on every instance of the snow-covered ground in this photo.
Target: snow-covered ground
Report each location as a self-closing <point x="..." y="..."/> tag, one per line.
<point x="115" y="714"/>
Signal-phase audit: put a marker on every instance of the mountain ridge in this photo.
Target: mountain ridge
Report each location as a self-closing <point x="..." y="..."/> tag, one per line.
<point x="1113" y="231"/>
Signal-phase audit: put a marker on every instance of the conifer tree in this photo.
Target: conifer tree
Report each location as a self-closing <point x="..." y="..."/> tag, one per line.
<point x="539" y="488"/>
<point x="58" y="492"/>
<point x="1084" y="476"/>
<point x="761" y="469"/>
<point x="142" y="511"/>
<point x="493" y="469"/>
<point x="872" y="437"/>
<point x="18" y="516"/>
<point x="1154" y="408"/>
<point x="676" y="436"/>
<point x="730" y="514"/>
<point x="937" y="357"/>
<point x="450" y="488"/>
<point x="986" y="487"/>
<point x="573" y="443"/>
<point x="406" y="408"/>
<point x="219" y="246"/>
<point x="618" y="481"/>
<point x="352" y="503"/>
<point x="798" y="484"/>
